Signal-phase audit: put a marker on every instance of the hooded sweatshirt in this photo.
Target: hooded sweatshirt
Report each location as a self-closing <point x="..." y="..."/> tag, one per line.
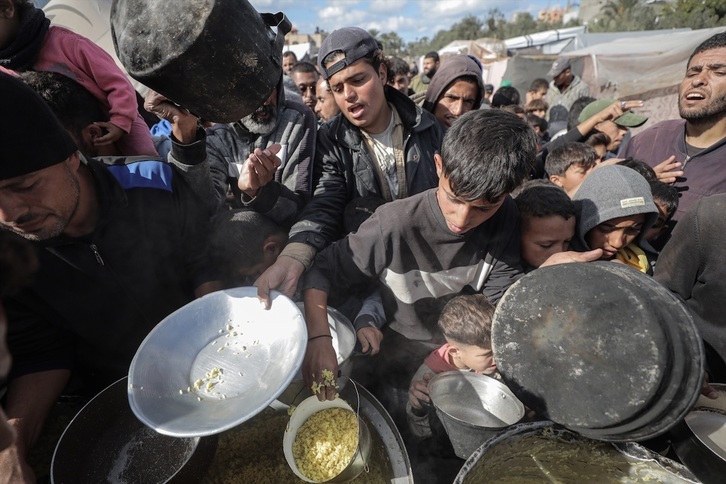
<point x="453" y="68"/>
<point x="611" y="192"/>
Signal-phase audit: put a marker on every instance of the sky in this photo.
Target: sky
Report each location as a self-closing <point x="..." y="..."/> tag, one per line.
<point x="410" y="19"/>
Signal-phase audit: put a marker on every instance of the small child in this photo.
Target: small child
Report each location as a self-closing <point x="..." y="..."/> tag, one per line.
<point x="547" y="221"/>
<point x="600" y="142"/>
<point x="538" y="107"/>
<point x="614" y="210"/>
<point x="569" y="164"/>
<point x="28" y="42"/>
<point x="243" y="243"/>
<point x="665" y="198"/>
<point x="466" y="322"/>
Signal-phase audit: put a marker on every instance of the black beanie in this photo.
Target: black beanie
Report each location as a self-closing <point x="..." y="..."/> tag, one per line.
<point x="31" y="137"/>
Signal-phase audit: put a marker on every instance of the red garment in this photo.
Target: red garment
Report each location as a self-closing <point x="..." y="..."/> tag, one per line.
<point x="439" y="361"/>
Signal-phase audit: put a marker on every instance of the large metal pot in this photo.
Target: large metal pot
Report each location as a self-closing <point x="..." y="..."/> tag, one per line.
<point x="105" y="442"/>
<point x="609" y="462"/>
<point x="700" y="439"/>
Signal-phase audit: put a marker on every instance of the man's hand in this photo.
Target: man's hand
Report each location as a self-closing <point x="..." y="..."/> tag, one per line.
<point x="259" y="169"/>
<point x="114" y="133"/>
<point x="370" y="340"/>
<point x="14" y="469"/>
<point x="419" y="391"/>
<point x="707" y="390"/>
<point x="668" y="170"/>
<point x="183" y="123"/>
<point x="320" y="355"/>
<point x="283" y="275"/>
<point x="572" y="256"/>
<point x="617" y="109"/>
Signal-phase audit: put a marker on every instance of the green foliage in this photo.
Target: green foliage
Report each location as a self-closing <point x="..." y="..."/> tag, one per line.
<point x="697" y="14"/>
<point x="624" y="16"/>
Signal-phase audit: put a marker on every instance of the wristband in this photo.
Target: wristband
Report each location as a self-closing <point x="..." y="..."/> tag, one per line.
<point x="320" y="336"/>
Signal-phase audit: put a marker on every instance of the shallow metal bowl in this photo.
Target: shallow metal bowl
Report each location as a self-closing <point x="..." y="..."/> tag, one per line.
<point x="216" y="362"/>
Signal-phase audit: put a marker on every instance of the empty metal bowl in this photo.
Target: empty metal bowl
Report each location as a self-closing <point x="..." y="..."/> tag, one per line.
<point x="216" y="362"/>
<point x="473" y="408"/>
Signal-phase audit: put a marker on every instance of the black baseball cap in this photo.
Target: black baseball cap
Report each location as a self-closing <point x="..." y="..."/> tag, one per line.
<point x="353" y="42"/>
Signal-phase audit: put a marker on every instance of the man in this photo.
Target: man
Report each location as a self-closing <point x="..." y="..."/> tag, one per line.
<point x="565" y="86"/>
<point x="289" y="59"/>
<point x="616" y="128"/>
<point x="694" y="146"/>
<point x="420" y="82"/>
<point x="457" y="89"/>
<point x="119" y="246"/>
<point x="242" y="158"/>
<point x="399" y="75"/>
<point x="325" y="107"/>
<point x="305" y="77"/>
<point x="382" y="145"/>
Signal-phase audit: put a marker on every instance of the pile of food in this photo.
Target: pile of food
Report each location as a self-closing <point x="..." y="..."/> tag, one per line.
<point x="251" y="453"/>
<point x="326" y="443"/>
<point x="564" y="458"/>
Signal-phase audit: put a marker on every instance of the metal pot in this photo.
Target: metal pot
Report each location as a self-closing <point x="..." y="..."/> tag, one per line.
<point x="651" y="467"/>
<point x="105" y="442"/>
<point x="700" y="439"/>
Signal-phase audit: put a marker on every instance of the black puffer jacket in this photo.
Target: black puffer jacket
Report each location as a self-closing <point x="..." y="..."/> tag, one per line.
<point x="344" y="170"/>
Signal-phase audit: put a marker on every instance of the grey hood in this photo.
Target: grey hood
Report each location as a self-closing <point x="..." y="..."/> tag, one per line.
<point x="610" y="192"/>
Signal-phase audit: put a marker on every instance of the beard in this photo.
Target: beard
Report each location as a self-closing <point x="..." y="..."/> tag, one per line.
<point x="713" y="110"/>
<point x="256" y="125"/>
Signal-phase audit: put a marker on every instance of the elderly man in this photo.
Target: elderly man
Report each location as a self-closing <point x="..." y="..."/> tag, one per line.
<point x="565" y="87"/>
<point x="691" y="150"/>
<point x="120" y="247"/>
<point x="265" y="158"/>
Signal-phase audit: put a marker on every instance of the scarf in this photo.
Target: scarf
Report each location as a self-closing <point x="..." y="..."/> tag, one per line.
<point x="20" y="55"/>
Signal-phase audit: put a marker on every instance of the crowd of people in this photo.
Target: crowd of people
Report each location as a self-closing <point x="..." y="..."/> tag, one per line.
<point x="409" y="202"/>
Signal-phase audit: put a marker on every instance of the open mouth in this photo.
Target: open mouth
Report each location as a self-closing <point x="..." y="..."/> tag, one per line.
<point x="694" y="96"/>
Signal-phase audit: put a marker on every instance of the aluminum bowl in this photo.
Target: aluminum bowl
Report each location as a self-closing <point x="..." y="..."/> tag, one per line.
<point x="173" y="386"/>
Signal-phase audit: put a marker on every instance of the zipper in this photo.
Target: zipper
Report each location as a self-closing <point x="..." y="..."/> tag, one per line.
<point x="99" y="259"/>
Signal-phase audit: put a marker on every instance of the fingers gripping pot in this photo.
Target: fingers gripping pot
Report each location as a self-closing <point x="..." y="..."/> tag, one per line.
<point x="311" y="410"/>
<point x="220" y="59"/>
<point x="599" y="348"/>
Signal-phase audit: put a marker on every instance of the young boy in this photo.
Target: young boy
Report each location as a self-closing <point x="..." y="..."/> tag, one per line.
<point x="614" y="210"/>
<point x="568" y="165"/>
<point x="665" y="198"/>
<point x="461" y="236"/>
<point x="547" y="221"/>
<point x="466" y="323"/>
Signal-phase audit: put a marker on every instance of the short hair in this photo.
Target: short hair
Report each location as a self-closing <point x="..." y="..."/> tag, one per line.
<point x="513" y="108"/>
<point x="397" y="67"/>
<point x="537" y="122"/>
<point x="289" y="53"/>
<point x="74" y="106"/>
<point x="536" y="105"/>
<point x="538" y="84"/>
<point x="487" y="153"/>
<point x="542" y="198"/>
<point x="467" y="319"/>
<point x="432" y="55"/>
<point x="573" y="153"/>
<point x="641" y="167"/>
<point x="666" y="195"/>
<point x="505" y="96"/>
<point x="576" y="109"/>
<point x="237" y="239"/>
<point x="597" y="138"/>
<point x="716" y="41"/>
<point x="303" y="67"/>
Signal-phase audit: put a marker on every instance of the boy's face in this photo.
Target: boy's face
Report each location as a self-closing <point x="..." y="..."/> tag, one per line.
<point x="614" y="234"/>
<point x="538" y="94"/>
<point x="660" y="224"/>
<point x="359" y="93"/>
<point x="542" y="237"/>
<point x="462" y="216"/>
<point x="571" y="180"/>
<point x="475" y="358"/>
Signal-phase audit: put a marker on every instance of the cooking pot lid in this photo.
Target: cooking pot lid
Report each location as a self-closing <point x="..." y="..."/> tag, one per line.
<point x="584" y="344"/>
